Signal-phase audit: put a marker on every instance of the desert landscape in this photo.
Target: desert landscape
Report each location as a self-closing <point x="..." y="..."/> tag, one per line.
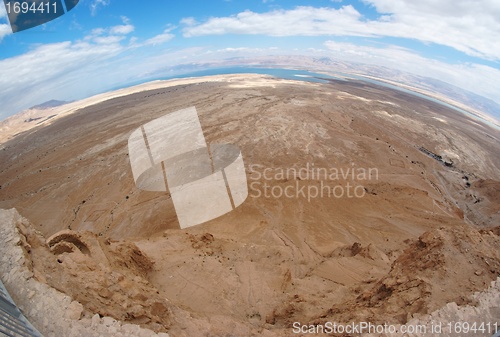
<point x="416" y="226"/>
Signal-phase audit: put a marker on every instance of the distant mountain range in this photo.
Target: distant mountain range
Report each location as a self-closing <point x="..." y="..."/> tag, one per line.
<point x="429" y="86"/>
<point x="326" y="64"/>
<point x="466" y="97"/>
<point x="49" y="104"/>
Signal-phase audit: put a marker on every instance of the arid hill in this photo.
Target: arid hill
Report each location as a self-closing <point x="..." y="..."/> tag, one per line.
<point x="364" y="202"/>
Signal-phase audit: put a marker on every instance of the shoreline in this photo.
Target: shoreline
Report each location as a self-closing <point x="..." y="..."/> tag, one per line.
<point x="15" y="125"/>
<point x="476" y="114"/>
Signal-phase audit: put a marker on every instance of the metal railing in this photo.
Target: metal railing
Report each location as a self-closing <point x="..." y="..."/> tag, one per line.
<point x="12" y="321"/>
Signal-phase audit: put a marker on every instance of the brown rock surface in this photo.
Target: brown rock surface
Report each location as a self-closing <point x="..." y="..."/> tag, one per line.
<point x="419" y="237"/>
<point x="53" y="313"/>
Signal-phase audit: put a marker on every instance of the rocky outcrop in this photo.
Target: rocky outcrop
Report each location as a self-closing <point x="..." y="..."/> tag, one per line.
<point x="447" y="258"/>
<point x="52" y="312"/>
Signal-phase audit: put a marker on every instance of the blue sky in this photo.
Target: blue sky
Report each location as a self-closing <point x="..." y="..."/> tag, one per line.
<point x="102" y="44"/>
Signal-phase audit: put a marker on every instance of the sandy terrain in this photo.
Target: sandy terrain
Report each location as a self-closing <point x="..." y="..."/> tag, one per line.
<point x="418" y="235"/>
<point x="52" y="312"/>
<point x="33" y="118"/>
<point x="477" y="113"/>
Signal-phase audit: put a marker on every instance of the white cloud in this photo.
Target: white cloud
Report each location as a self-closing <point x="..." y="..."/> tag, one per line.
<point x="97" y="31"/>
<point x="125" y="19"/>
<point x="190" y="21"/>
<point x="4" y="31"/>
<point x="481" y="79"/>
<point x="94" y="6"/>
<point x="110" y="35"/>
<point x="124" y="29"/>
<point x="308" y="21"/>
<point x="78" y="69"/>
<point x="160" y="38"/>
<point x="238" y="49"/>
<point x="4" y="28"/>
<point x="111" y="39"/>
<point x="469" y="26"/>
<point x="3" y="12"/>
<point x="222" y="54"/>
<point x="44" y="72"/>
<point x="133" y="40"/>
<point x="61" y="69"/>
<point x="465" y="25"/>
